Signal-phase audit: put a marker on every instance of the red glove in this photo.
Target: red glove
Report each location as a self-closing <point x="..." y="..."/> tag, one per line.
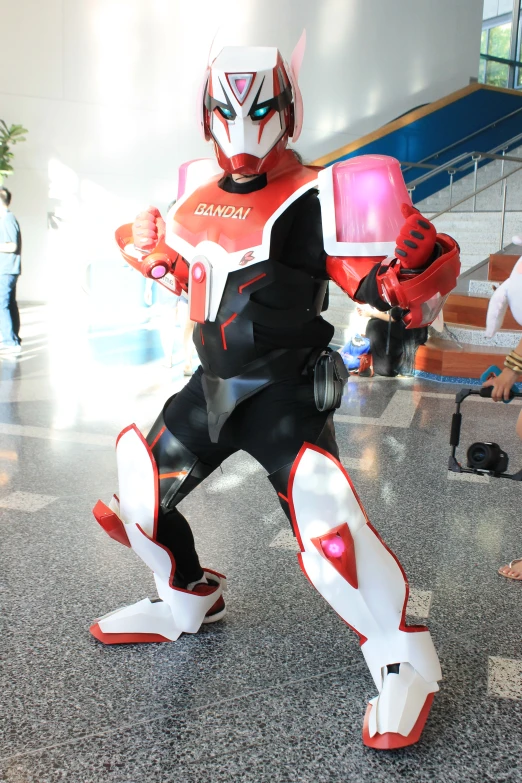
<point x="416" y="241"/>
<point x="148" y="229"/>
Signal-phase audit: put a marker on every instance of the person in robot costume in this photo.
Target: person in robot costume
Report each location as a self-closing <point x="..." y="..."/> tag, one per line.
<point x="255" y="242"/>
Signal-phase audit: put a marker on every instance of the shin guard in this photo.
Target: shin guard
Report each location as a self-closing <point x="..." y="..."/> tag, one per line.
<point x="348" y="563"/>
<point x="132" y="521"/>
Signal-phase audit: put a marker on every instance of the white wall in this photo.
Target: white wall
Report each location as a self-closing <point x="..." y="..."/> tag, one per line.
<point x="107" y="88"/>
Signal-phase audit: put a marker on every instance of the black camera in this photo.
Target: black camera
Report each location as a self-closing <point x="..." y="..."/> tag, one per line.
<point x="487" y="456"/>
<point x="483" y="458"/>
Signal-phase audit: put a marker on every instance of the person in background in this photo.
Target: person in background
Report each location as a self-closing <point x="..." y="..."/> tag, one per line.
<point x="10" y="269"/>
<point x="502" y="385"/>
<point x="392" y="346"/>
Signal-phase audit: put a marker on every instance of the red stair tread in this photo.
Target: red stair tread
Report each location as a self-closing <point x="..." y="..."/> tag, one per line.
<point x="469" y="310"/>
<point x="501" y="265"/>
<point x="444" y="357"/>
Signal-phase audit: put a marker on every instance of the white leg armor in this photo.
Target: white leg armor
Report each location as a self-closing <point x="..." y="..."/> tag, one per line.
<point x="347" y="562"/>
<point x="132" y="521"/>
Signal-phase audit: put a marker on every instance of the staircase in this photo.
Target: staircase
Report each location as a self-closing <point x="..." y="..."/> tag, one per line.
<point x="467" y="127"/>
<point x="478" y="233"/>
<point x="463" y="351"/>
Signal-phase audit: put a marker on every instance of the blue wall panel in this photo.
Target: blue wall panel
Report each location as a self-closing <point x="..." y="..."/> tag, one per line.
<point x="445" y="126"/>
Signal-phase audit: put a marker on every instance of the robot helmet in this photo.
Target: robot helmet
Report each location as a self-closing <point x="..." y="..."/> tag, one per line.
<point x="251" y="105"/>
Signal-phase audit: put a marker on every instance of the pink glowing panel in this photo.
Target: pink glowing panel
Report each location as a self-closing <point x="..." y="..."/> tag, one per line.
<point x="369" y="191"/>
<point x="240" y="84"/>
<point x="182" y="178"/>
<point x="159" y="271"/>
<point x="198" y="273"/>
<point x="333" y="547"/>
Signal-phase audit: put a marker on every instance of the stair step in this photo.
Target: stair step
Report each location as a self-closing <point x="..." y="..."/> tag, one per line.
<point x="470" y="310"/>
<point x="473" y="335"/>
<point x="445" y="358"/>
<point x="501" y="265"/>
<point x="483" y="287"/>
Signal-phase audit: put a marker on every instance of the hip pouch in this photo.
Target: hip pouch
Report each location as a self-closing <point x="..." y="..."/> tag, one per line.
<point x="330" y="376"/>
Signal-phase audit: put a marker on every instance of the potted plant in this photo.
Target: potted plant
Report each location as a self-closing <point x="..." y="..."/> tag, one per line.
<point x="8" y="137"/>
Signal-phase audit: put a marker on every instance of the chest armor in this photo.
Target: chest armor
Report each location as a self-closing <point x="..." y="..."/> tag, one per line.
<point x="225" y="239"/>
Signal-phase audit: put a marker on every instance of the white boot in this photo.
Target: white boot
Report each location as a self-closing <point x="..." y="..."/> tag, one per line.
<point x="132" y="521"/>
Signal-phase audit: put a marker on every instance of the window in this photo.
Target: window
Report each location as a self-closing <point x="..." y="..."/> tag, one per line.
<point x="499" y="41"/>
<point x="500" y="53"/>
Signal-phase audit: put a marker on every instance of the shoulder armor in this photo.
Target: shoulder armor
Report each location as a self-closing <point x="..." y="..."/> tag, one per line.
<point x="195" y="173"/>
<point x="361" y="205"/>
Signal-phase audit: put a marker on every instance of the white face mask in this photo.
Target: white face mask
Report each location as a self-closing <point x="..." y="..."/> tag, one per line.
<point x="249" y="108"/>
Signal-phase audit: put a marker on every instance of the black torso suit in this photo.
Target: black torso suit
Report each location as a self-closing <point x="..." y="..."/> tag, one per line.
<point x="256" y="395"/>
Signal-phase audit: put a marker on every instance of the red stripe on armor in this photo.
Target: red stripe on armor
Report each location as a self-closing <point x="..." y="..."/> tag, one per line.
<point x="158" y="436"/>
<point x="111" y="523"/>
<point x="392" y="740"/>
<point x="198" y="293"/>
<point x="223" y="327"/>
<point x="254" y="280"/>
<point x="173" y="475"/>
<point x="283" y="497"/>
<point x="262" y="124"/>
<point x="223" y="121"/>
<point x="125" y="638"/>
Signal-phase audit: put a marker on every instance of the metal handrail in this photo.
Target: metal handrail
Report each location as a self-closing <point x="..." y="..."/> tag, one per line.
<point x="475" y="193"/>
<point x="471" y="135"/>
<point x="452" y="163"/>
<point x="503" y="179"/>
<point x="413" y="165"/>
<point x="446" y="167"/>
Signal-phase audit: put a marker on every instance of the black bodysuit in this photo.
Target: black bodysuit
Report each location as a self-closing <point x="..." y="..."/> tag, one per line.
<point x="277" y="324"/>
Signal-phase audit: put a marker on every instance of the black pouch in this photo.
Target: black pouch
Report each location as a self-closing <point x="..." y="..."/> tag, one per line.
<point x="330" y="376"/>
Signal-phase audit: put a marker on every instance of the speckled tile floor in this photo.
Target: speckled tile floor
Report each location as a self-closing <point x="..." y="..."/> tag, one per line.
<point x="277" y="691"/>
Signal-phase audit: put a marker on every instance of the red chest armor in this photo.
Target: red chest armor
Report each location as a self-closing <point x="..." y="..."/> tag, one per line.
<point x="218" y="232"/>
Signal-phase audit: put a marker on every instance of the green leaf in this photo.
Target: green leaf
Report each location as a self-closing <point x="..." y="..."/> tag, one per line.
<point x="9" y="136"/>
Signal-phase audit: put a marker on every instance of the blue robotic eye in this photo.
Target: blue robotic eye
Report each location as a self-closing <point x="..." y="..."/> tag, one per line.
<point x="227" y="114"/>
<point x="258" y="114"/>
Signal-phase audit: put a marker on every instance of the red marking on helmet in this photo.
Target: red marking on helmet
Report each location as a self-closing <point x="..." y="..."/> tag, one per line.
<point x="238" y="84"/>
<point x="263" y="124"/>
<point x="217" y="114"/>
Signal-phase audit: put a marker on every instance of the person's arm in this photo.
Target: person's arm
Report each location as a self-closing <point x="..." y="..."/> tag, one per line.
<point x="143" y="246"/>
<point x="8" y="247"/>
<point x="511" y="373"/>
<point x="371" y="312"/>
<point x="424" y="271"/>
<point x="13" y="234"/>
